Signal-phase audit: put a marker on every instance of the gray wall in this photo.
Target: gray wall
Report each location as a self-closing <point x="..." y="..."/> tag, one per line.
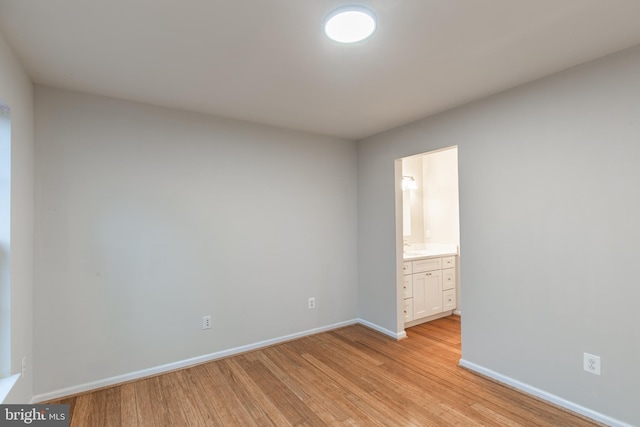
<point x="149" y="218"/>
<point x="549" y="203"/>
<point x="16" y="92"/>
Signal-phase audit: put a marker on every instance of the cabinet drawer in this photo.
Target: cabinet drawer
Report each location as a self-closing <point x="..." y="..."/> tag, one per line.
<point x="449" y="278"/>
<point x="407" y="285"/>
<point x="406" y="268"/>
<point x="427" y="264"/>
<point x="448" y="262"/>
<point x="449" y="300"/>
<point x="408" y="310"/>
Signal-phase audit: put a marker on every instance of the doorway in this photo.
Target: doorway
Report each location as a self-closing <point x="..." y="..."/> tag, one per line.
<point x="428" y="236"/>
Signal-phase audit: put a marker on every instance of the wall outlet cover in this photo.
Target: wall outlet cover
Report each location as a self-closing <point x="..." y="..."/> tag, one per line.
<point x="206" y="322"/>
<point x="591" y="363"/>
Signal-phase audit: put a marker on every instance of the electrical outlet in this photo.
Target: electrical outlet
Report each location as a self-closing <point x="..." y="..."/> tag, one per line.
<point x="592" y="363"/>
<point x="206" y="322"/>
<point x="24" y="366"/>
<point x="312" y="302"/>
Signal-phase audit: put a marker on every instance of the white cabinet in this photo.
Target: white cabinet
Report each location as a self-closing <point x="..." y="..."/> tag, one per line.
<point x="433" y="293"/>
<point x="407" y="286"/>
<point x="448" y="262"/>
<point x="418" y="299"/>
<point x="449" y="300"/>
<point x="448" y="279"/>
<point x="408" y="310"/>
<point x="407" y="267"/>
<point x="407" y="289"/>
<point x="427" y="293"/>
<point x="429" y="286"/>
<point x="426" y="264"/>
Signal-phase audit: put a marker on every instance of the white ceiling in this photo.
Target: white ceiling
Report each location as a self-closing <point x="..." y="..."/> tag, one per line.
<point x="267" y="61"/>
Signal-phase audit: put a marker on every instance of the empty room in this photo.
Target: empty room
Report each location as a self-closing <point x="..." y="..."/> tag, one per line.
<point x="320" y="212"/>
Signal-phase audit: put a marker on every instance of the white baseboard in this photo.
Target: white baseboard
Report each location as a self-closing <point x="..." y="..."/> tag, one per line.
<point x="574" y="407"/>
<point x="118" y="379"/>
<point x="427" y="319"/>
<point x="395" y="335"/>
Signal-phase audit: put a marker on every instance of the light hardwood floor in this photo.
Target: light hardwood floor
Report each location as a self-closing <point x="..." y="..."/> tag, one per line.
<point x="351" y="376"/>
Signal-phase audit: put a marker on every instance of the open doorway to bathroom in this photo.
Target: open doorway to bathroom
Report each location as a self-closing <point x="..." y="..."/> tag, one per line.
<point x="428" y="236"/>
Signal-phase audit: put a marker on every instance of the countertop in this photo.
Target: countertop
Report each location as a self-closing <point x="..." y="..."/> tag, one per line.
<point x="429" y="251"/>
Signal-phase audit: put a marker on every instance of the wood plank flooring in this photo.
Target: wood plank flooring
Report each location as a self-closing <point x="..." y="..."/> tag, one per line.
<point x="348" y="377"/>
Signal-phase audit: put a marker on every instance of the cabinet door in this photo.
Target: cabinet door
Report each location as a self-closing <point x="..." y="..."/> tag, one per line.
<point x="406" y="267"/>
<point x="448" y="279"/>
<point x="433" y="292"/>
<point x="419" y="295"/>
<point x="427" y="294"/>
<point x="448" y="262"/>
<point x="408" y="310"/>
<point x="407" y="285"/>
<point x="449" y="300"/>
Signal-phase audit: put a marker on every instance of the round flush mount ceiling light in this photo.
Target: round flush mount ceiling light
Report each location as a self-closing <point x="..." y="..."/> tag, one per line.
<point x="350" y="24"/>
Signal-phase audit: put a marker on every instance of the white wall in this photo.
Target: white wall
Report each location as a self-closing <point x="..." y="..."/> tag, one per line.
<point x="16" y="91"/>
<point x="150" y="218"/>
<point x="440" y="188"/>
<point x="434" y="204"/>
<point x="549" y="229"/>
<point x="412" y="166"/>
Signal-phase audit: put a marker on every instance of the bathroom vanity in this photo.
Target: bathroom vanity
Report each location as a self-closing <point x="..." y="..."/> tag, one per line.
<point x="429" y="284"/>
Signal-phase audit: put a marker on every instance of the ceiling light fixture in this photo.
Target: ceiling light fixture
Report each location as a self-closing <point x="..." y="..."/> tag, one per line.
<point x="350" y="24"/>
